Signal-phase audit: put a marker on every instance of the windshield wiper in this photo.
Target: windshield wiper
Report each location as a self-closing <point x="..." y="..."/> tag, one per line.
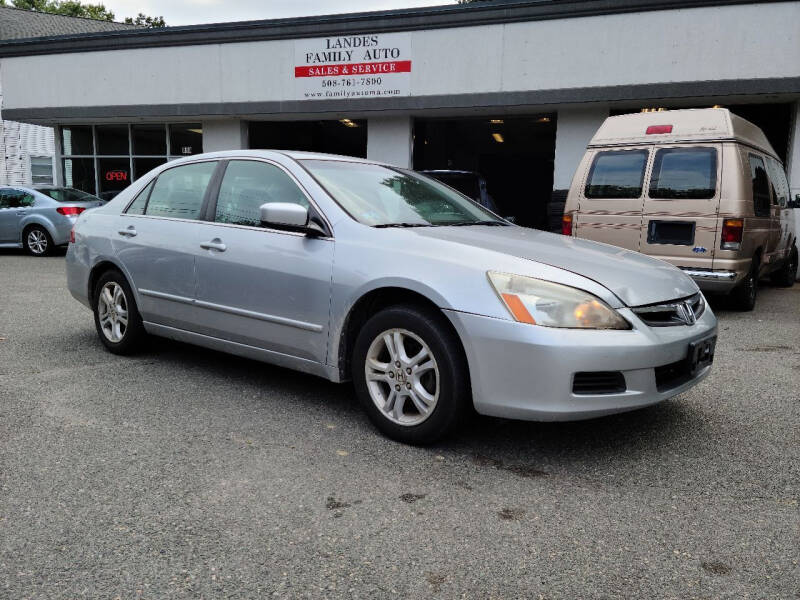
<point x="466" y="223"/>
<point x="384" y="225"/>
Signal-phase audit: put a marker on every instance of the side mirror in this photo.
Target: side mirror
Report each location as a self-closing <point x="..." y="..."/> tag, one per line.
<point x="287" y="215"/>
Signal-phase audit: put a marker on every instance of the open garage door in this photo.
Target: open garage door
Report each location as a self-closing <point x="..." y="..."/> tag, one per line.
<point x="344" y="136"/>
<point x="514" y="154"/>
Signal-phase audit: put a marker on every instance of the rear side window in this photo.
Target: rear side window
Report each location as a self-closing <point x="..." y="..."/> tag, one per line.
<point x="616" y="174"/>
<point x="780" y="186"/>
<point x="179" y="192"/>
<point x="15" y="199"/>
<point x="247" y="185"/>
<point x="138" y="205"/>
<point x="761" y="197"/>
<point x="684" y="173"/>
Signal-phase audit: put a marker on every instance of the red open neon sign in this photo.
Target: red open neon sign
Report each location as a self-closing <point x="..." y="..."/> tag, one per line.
<point x="116" y="175"/>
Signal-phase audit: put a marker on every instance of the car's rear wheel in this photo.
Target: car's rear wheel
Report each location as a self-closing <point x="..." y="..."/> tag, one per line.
<point x="744" y="296"/>
<point x="410" y="374"/>
<point x="37" y="241"/>
<point x="787" y="274"/>
<point x="116" y="316"/>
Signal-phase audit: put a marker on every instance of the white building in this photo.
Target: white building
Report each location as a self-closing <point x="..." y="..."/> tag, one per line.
<point x="27" y="152"/>
<point x="511" y="89"/>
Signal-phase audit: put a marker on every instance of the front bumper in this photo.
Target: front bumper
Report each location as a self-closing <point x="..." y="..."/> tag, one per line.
<point x="521" y="371"/>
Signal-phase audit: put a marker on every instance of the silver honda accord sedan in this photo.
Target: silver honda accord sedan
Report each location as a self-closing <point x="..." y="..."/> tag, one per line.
<point x="354" y="270"/>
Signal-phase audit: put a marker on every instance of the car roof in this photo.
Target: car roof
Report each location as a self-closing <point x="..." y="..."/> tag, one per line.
<point x="293" y="154"/>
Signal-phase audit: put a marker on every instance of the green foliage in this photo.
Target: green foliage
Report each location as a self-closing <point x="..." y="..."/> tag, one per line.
<point x="76" y="8"/>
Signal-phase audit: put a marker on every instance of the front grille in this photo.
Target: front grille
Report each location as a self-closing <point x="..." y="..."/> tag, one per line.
<point x="673" y="375"/>
<point x="598" y="382"/>
<point x="669" y="314"/>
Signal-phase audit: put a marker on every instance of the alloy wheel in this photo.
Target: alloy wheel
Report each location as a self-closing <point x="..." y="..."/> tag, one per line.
<point x="402" y="377"/>
<point x="37" y="241"/>
<point x="112" y="311"/>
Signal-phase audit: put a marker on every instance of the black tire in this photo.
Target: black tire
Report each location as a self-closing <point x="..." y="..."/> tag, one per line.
<point x="787" y="274"/>
<point x="743" y="297"/>
<point x="454" y="391"/>
<point x="37" y="241"/>
<point x="133" y="335"/>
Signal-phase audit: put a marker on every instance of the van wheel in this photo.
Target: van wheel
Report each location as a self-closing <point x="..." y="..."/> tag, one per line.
<point x="787" y="274"/>
<point x="744" y="296"/>
<point x="410" y="374"/>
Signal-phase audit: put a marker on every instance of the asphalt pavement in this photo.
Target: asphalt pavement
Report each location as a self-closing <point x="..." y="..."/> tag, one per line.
<point x="186" y="473"/>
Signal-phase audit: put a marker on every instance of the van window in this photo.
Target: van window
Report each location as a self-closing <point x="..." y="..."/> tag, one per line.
<point x="616" y="174"/>
<point x="780" y="187"/>
<point x="684" y="173"/>
<point x="761" y="197"/>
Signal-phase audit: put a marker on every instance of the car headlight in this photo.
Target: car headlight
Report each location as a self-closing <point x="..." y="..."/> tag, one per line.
<point x="548" y="304"/>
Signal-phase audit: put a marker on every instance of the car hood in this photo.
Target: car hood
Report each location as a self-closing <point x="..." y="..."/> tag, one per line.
<point x="634" y="278"/>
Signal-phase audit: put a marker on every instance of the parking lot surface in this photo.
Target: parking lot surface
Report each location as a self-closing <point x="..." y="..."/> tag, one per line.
<point x="185" y="473"/>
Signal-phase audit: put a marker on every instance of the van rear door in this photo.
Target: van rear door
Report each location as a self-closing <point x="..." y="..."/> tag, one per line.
<point x="611" y="197"/>
<point x="681" y="205"/>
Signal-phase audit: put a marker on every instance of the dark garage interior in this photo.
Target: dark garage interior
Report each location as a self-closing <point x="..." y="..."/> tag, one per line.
<point x="514" y="154"/>
<point x="345" y="136"/>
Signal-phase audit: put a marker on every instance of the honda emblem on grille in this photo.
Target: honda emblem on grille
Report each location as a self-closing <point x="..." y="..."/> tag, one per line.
<point x="686" y="313"/>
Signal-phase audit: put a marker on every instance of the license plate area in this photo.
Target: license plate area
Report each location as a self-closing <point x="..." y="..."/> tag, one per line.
<point x="676" y="233"/>
<point x="701" y="354"/>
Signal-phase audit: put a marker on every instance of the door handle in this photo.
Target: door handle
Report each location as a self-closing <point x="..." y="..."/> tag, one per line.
<point x="129" y="232"/>
<point x="215" y="244"/>
<point x="22" y="213"/>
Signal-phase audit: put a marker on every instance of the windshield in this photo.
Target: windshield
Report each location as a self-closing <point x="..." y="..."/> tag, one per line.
<point x="68" y="195"/>
<point x="385" y="197"/>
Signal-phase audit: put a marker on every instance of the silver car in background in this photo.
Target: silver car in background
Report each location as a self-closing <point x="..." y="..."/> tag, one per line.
<point x="39" y="219"/>
<point x="349" y="269"/>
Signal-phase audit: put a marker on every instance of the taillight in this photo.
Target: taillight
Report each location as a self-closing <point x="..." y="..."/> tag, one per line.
<point x="70" y="211"/>
<point x="732" y="234"/>
<point x="72" y="236"/>
<point x="566" y="225"/>
<point x="656" y="129"/>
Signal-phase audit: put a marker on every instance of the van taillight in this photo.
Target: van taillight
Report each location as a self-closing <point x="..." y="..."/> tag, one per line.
<point x="656" y="129"/>
<point x="70" y="211"/>
<point x="732" y="234"/>
<point x="566" y="225"/>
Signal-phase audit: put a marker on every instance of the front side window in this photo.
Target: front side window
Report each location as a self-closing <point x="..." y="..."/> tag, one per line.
<point x="681" y="173"/>
<point x="179" y="192"/>
<point x="616" y="174"/>
<point x="780" y="186"/>
<point x="760" y="182"/>
<point x="247" y="185"/>
<point x="384" y="197"/>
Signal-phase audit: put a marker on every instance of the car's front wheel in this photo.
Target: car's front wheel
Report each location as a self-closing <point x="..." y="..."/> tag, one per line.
<point x="37" y="241"/>
<point x="116" y="316"/>
<point x="410" y="374"/>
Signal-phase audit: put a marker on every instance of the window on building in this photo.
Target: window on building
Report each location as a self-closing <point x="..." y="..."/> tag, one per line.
<point x="185" y="139"/>
<point x="179" y="192"/>
<point x="105" y="159"/>
<point x="247" y="185"/>
<point x="761" y="195"/>
<point x="684" y="173"/>
<point x="617" y="174"/>
<point x="79" y="174"/>
<point x="77" y="140"/>
<point x="42" y="170"/>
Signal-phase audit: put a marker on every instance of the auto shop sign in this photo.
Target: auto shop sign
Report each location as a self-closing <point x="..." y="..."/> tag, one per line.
<point x="353" y="66"/>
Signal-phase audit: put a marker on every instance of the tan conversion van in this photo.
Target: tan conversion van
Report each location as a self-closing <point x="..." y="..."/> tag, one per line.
<point x="701" y="189"/>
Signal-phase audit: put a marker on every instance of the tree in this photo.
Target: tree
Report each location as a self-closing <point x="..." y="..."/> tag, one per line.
<point x="76" y="8"/>
<point x="143" y="20"/>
